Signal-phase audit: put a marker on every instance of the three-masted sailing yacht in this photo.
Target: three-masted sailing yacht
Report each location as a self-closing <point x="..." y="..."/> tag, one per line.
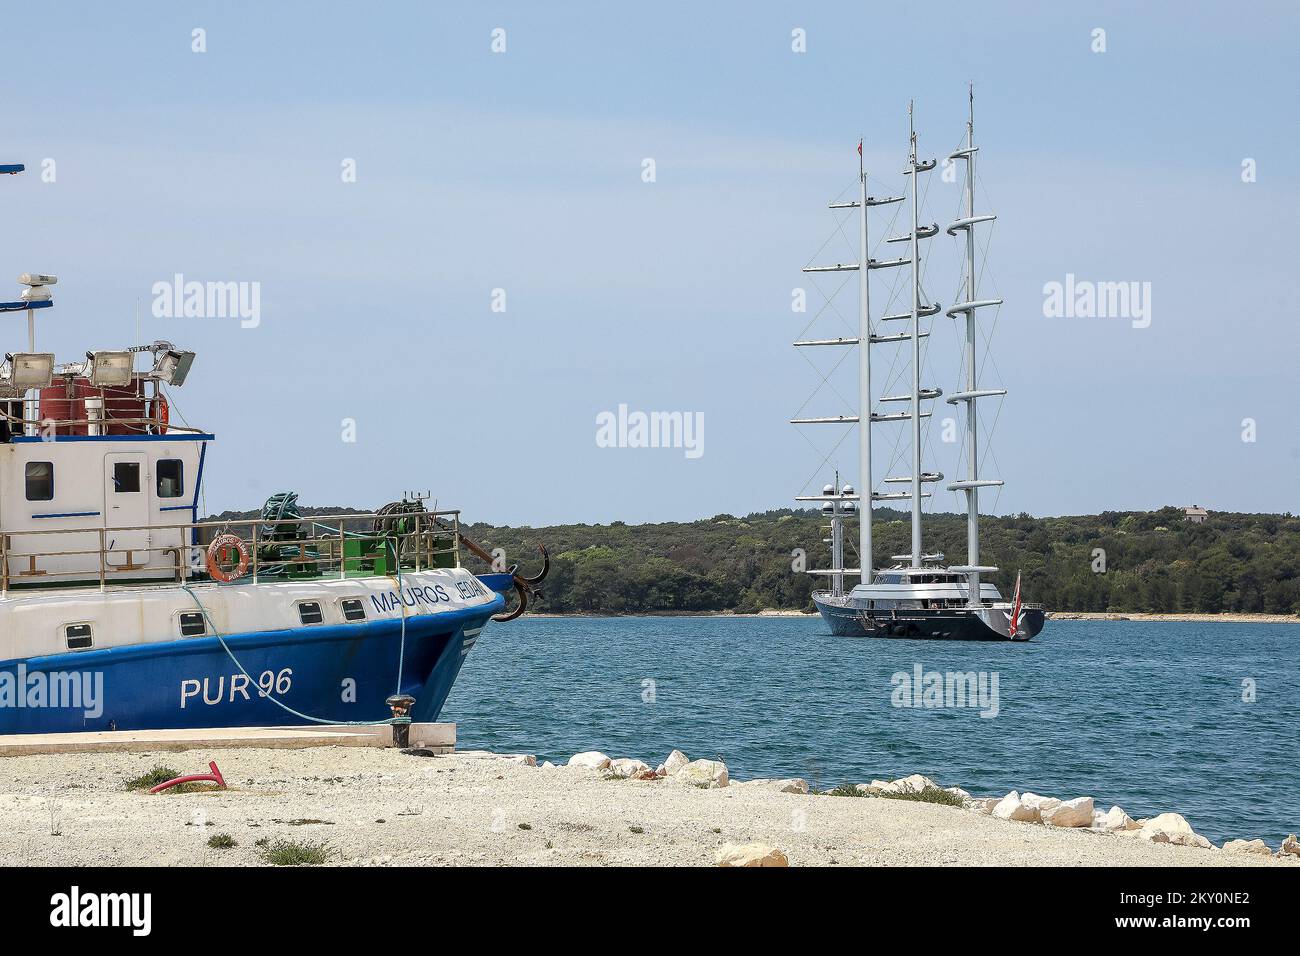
<point x="916" y="596"/>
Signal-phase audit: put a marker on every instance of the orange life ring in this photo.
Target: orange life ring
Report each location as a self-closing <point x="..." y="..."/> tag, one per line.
<point x="159" y="415"/>
<point x="219" y="550"/>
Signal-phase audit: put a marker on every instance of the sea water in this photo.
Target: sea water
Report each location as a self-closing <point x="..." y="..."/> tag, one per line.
<point x="1198" y="718"/>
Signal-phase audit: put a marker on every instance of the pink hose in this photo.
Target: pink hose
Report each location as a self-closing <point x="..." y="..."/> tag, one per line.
<point x="214" y="777"/>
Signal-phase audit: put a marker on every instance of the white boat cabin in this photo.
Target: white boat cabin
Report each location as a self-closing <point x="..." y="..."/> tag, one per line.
<point x="907" y="588"/>
<point x="121" y="496"/>
<point x="94" y="479"/>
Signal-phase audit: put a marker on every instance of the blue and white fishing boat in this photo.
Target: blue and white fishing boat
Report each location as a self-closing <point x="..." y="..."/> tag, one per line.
<point x="916" y="595"/>
<point x="121" y="610"/>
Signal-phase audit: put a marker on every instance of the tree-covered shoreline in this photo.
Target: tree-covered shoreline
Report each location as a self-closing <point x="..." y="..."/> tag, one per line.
<point x="1118" y="561"/>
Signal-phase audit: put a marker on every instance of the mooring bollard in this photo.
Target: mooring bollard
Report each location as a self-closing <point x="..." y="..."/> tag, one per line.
<point x="401" y="705"/>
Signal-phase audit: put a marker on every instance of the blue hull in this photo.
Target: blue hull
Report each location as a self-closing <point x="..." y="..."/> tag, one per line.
<point x="337" y="673"/>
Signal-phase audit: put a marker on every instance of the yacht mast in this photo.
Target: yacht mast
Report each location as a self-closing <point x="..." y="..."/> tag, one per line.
<point x="843" y="498"/>
<point x="971" y="393"/>
<point x="864" y="382"/>
<point x="919" y="309"/>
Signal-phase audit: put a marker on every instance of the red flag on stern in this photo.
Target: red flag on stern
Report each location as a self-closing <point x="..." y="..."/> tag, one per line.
<point x="1015" y="609"/>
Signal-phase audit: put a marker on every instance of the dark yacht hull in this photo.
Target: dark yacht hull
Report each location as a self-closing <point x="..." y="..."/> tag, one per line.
<point x="946" y="624"/>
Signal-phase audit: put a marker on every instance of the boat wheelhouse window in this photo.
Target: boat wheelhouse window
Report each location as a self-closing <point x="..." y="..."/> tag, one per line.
<point x="126" y="477"/>
<point x="192" y="624"/>
<point x="78" y="636"/>
<point x="353" y="610"/>
<point x="171" y="478"/>
<point x="40" y="480"/>
<point x="309" y="612"/>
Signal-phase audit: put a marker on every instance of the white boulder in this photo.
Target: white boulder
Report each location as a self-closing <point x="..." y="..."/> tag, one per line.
<point x="982" y="805"/>
<point x="1113" y="820"/>
<point x="958" y="792"/>
<point x="1011" y="807"/>
<point x="705" y="774"/>
<point x="1247" y="846"/>
<point x="1039" y="803"/>
<point x="913" y="783"/>
<point x="1175" y="829"/>
<point x="627" y="767"/>
<point x="676" y="761"/>
<point x="1071" y="813"/>
<point x="1290" y="847"/>
<point x="749" y="854"/>
<point x="591" y="759"/>
<point x="1170" y="823"/>
<point x="525" y="760"/>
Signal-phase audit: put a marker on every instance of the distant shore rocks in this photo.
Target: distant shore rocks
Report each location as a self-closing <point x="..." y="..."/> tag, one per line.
<point x="1078" y="813"/>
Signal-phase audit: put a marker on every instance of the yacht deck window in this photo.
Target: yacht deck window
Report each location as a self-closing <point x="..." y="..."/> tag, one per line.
<point x="192" y="624"/>
<point x="309" y="612"/>
<point x="353" y="609"/>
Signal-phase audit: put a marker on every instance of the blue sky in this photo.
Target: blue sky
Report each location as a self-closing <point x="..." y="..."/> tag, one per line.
<point x="522" y="171"/>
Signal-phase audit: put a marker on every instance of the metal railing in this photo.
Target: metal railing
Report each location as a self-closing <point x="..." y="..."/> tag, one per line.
<point x="105" y="425"/>
<point x="314" y="547"/>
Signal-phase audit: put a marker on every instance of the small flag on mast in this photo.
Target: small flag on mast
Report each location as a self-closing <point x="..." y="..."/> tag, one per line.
<point x="859" y="147"/>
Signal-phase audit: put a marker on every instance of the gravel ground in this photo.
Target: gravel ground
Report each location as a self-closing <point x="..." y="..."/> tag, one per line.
<point x="381" y="807"/>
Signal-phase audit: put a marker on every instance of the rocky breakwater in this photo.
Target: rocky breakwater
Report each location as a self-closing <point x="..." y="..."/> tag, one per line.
<point x="1082" y="813"/>
<point x="1075" y="813"/>
<point x="679" y="769"/>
